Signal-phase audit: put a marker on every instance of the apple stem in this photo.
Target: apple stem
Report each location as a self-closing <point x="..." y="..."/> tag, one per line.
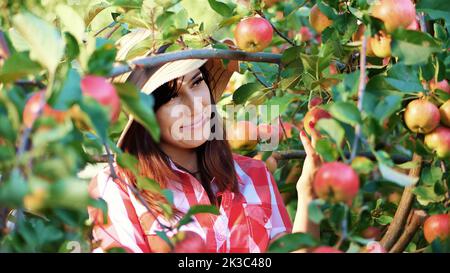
<point x="284" y="37"/>
<point x="361" y="89"/>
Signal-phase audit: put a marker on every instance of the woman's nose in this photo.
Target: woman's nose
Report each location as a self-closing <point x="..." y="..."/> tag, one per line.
<point x="193" y="101"/>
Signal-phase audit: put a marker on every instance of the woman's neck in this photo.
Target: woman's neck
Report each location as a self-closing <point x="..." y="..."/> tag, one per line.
<point x="187" y="158"/>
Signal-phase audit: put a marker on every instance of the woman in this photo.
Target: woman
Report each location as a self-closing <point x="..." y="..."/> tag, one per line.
<point x="197" y="170"/>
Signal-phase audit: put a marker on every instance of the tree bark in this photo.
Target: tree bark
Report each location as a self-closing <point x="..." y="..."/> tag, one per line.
<point x="415" y="222"/>
<point x="398" y="223"/>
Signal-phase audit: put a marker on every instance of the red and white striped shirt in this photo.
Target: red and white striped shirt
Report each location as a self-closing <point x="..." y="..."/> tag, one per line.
<point x="246" y="223"/>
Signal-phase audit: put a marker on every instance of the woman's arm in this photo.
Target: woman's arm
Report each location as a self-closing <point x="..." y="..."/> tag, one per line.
<point x="304" y="189"/>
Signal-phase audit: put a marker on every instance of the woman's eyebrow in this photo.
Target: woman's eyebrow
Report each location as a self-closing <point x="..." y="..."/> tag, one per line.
<point x="195" y="76"/>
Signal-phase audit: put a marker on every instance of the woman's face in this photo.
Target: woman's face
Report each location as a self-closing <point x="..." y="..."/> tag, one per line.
<point x="185" y="120"/>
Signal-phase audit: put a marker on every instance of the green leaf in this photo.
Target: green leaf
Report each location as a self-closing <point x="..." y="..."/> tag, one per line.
<point x="98" y="116"/>
<point x="325" y="148"/>
<point x="384" y="220"/>
<point x="187" y="218"/>
<point x="127" y="161"/>
<point x="70" y="92"/>
<point x="291" y="242"/>
<point x="399" y="178"/>
<point x="282" y="102"/>
<point x="245" y="91"/>
<point x="45" y="41"/>
<point x="140" y="106"/>
<point x="315" y="214"/>
<point x="71" y="21"/>
<point x="102" y="59"/>
<point x="404" y="78"/>
<point x="435" y="9"/>
<point x="332" y="128"/>
<point x="69" y="193"/>
<point x="413" y="47"/>
<point x="426" y="195"/>
<point x="346" y="112"/>
<point x="13" y="190"/>
<point x="145" y="183"/>
<point x="204" y="16"/>
<point x="100" y="204"/>
<point x="221" y="8"/>
<point x="17" y="66"/>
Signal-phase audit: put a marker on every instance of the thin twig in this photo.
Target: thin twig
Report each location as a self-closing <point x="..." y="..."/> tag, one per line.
<point x="111" y="32"/>
<point x="284" y="37"/>
<point x="258" y="78"/>
<point x="361" y="89"/>
<point x="105" y="28"/>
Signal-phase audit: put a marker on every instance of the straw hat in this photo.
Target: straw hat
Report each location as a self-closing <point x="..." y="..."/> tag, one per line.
<point x="159" y="75"/>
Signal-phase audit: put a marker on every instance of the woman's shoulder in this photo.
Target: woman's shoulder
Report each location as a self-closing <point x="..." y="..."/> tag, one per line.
<point x="251" y="171"/>
<point x="248" y="163"/>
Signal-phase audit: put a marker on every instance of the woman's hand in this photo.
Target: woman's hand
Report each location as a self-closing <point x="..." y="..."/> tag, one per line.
<point x="310" y="166"/>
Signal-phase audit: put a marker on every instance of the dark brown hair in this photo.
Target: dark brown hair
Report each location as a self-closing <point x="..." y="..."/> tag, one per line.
<point x="215" y="159"/>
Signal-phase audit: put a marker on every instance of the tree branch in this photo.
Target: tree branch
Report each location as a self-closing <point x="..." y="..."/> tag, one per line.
<point x="415" y="222"/>
<point x="395" y="228"/>
<point x="197" y="54"/>
<point x="298" y="154"/>
<point x="361" y="88"/>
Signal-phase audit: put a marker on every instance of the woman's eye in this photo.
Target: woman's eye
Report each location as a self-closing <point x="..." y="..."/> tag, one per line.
<point x="198" y="81"/>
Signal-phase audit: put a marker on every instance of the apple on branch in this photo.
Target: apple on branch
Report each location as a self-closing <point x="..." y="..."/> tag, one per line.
<point x="421" y="116"/>
<point x="253" y="34"/>
<point x="103" y="92"/>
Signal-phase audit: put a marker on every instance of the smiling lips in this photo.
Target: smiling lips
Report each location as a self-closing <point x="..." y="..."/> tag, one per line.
<point x="196" y="124"/>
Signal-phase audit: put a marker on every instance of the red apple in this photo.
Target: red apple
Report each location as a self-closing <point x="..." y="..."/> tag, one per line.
<point x="253" y="34"/>
<point x="305" y="34"/>
<point x="318" y="20"/>
<point x="243" y="135"/>
<point x="288" y="128"/>
<point x="371" y="233"/>
<point x="189" y="242"/>
<point x="437" y="226"/>
<point x="443" y="85"/>
<point x="414" y="25"/>
<point x="312" y="117"/>
<point x="31" y="110"/>
<point x="268" y="131"/>
<point x="375" y="247"/>
<point x="421" y="116"/>
<point x="326" y="249"/>
<point x="103" y="92"/>
<point x="316" y="100"/>
<point x="444" y="110"/>
<point x="394" y="13"/>
<point x="337" y="181"/>
<point x="380" y="44"/>
<point x="439" y="141"/>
